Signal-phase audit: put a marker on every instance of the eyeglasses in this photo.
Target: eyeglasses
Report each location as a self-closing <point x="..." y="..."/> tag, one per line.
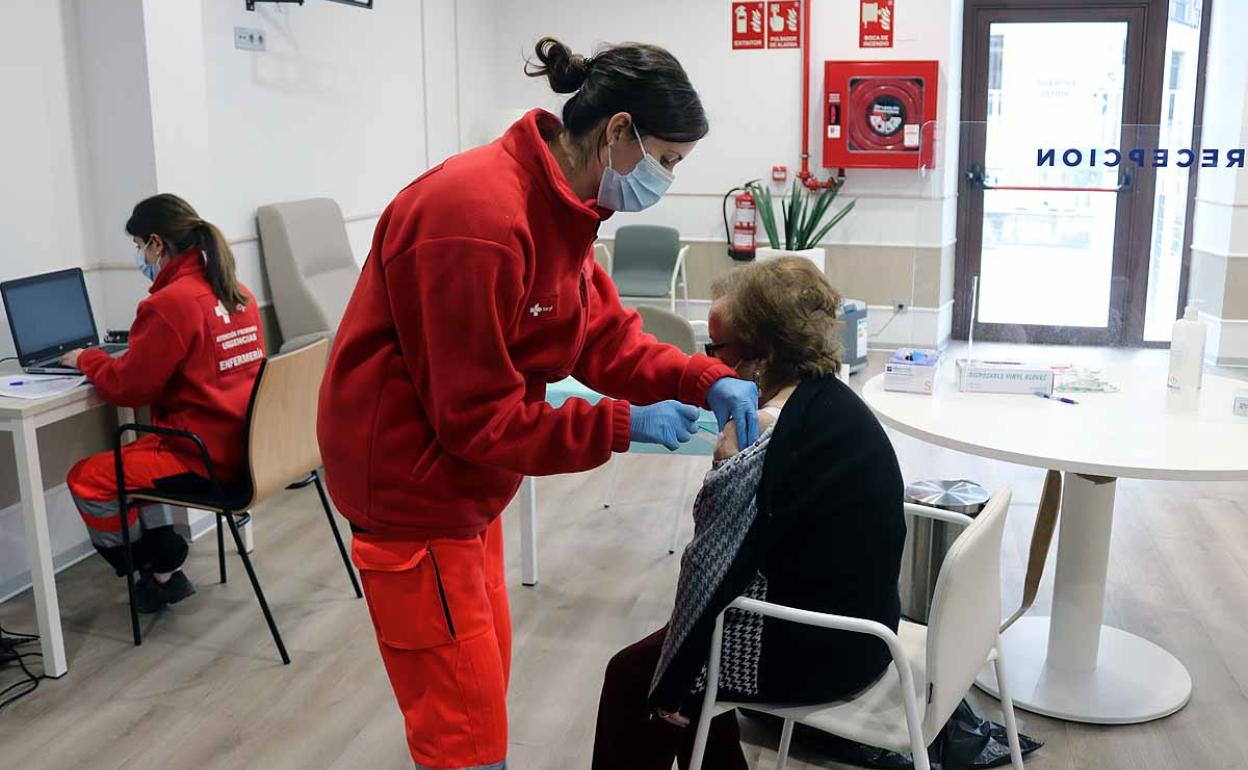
<point x="711" y="347"/>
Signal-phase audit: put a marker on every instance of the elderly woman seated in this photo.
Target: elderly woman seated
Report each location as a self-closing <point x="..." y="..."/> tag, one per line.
<point x="809" y="516"/>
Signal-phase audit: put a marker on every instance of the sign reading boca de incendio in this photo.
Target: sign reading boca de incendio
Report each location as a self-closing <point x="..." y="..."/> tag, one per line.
<point x="1154" y="157"/>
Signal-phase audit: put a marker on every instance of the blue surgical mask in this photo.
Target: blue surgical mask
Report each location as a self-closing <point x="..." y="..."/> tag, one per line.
<point x="640" y="188"/>
<point x="146" y="268"/>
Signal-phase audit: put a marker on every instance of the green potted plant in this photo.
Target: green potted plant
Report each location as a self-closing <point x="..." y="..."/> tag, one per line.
<point x="806" y="218"/>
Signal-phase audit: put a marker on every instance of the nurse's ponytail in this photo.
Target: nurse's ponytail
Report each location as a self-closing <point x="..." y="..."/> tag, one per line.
<point x="181" y="228"/>
<point x="219" y="265"/>
<point x="645" y="81"/>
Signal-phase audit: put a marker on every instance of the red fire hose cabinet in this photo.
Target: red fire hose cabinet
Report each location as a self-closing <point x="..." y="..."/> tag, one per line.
<point x="880" y="114"/>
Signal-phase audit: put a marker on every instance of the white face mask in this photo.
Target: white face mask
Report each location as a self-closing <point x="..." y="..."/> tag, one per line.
<point x="640" y="188"/>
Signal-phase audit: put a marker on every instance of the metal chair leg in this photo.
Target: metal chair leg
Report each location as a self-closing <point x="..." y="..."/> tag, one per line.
<point x="126" y="549"/>
<point x="786" y="740"/>
<point x="255" y="585"/>
<point x="684" y="283"/>
<point x="613" y="473"/>
<point x="342" y="549"/>
<point x="1007" y="709"/>
<point x="221" y="547"/>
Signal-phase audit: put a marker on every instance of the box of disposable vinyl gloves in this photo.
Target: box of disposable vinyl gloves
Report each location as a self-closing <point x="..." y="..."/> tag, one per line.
<point x="911" y="370"/>
<point x="976" y="376"/>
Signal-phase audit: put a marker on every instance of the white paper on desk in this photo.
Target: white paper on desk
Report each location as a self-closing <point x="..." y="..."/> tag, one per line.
<point x="35" y="386"/>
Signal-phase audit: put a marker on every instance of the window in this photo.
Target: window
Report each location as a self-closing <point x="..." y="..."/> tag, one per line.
<point x="1175" y="79"/>
<point x="1186" y="12"/>
<point x="996" y="45"/>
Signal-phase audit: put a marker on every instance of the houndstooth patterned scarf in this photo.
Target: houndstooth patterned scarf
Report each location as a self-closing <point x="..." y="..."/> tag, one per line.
<point x="723" y="513"/>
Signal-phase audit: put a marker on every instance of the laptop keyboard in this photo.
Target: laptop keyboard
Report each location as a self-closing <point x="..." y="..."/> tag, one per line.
<point x="55" y="362"/>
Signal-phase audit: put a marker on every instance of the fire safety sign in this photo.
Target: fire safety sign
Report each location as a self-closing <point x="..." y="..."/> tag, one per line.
<point x="784" y="26"/>
<point x="875" y="24"/>
<point x="748" y="30"/>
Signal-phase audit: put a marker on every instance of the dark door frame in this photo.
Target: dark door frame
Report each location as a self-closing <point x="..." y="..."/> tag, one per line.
<point x="1146" y="45"/>
<point x="1206" y="12"/>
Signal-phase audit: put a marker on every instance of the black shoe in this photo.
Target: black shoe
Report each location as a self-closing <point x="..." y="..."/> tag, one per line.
<point x="151" y="596"/>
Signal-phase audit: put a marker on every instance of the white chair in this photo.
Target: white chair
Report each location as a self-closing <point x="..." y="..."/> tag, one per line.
<point x="933" y="667"/>
<point x="648" y="263"/>
<point x="311" y="270"/>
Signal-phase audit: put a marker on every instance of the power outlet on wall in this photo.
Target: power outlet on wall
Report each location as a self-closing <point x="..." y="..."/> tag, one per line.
<point x="248" y="39"/>
<point x="899" y="305"/>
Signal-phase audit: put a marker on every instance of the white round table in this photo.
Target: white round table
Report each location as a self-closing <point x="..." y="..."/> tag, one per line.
<point x="1070" y="665"/>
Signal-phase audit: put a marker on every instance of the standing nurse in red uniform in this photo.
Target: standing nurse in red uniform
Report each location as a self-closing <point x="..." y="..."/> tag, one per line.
<point x="480" y="289"/>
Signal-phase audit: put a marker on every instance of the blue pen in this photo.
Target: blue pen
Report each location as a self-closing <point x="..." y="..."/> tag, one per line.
<point x="17" y="382"/>
<point x="1063" y="399"/>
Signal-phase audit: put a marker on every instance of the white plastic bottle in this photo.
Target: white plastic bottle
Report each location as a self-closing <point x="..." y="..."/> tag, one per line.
<point x="1187" y="352"/>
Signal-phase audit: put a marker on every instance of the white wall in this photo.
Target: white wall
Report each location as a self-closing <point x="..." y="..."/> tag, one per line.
<point x="753" y="102"/>
<point x="116" y="117"/>
<point x="45" y="204"/>
<point x="334" y="107"/>
<point x="1219" y="277"/>
<point x="45" y="221"/>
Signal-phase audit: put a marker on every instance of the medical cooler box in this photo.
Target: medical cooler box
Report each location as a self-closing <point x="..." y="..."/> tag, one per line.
<point x="853" y="334"/>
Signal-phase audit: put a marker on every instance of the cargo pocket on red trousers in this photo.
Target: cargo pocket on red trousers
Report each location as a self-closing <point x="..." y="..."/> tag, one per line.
<point x="406" y="593"/>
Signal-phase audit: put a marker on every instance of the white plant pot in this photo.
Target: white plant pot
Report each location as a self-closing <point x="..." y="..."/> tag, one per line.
<point x="816" y="255"/>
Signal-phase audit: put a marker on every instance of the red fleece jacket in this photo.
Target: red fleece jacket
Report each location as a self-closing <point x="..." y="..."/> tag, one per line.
<point x="480" y="289"/>
<point x="192" y="360"/>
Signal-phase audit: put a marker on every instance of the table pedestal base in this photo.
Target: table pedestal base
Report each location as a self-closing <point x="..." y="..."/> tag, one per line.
<point x="1134" y="680"/>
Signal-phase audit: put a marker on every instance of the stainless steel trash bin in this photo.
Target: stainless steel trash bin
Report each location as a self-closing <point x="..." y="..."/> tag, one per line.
<point x="928" y="540"/>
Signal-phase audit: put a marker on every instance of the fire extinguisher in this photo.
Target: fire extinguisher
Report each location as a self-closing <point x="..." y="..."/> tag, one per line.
<point x="741" y="236"/>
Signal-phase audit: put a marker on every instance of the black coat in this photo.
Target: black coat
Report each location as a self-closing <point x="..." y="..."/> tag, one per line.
<point x="828" y="538"/>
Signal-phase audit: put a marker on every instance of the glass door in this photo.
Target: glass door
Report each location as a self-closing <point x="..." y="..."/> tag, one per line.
<point x="1051" y="210"/>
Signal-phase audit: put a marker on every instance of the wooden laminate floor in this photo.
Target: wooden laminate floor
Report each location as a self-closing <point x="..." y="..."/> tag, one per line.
<point x="206" y="689"/>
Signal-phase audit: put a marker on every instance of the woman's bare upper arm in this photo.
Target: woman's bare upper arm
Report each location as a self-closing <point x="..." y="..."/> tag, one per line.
<point x="727" y="444"/>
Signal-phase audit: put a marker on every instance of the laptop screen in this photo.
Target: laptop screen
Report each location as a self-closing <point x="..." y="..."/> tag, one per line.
<point x="49" y="314"/>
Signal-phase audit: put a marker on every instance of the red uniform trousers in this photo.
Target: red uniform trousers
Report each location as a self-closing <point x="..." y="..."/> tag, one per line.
<point x="444" y="628"/>
<point x="93" y="484"/>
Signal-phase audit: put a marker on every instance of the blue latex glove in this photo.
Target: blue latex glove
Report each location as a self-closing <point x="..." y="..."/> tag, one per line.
<point x="737" y="400"/>
<point x="669" y="423"/>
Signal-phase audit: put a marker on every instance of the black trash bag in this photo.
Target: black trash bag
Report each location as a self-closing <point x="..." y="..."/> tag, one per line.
<point x="965" y="742"/>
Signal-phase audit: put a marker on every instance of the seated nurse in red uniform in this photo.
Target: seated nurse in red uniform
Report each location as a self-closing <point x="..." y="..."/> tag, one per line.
<point x="195" y="350"/>
<point x="481" y="288"/>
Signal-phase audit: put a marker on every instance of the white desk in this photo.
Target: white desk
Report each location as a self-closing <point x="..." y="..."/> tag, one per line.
<point x="1071" y="666"/>
<point x="23" y="418"/>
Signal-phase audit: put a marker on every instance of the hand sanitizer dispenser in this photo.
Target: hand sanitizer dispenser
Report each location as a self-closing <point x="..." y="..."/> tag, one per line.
<point x="1187" y="352"/>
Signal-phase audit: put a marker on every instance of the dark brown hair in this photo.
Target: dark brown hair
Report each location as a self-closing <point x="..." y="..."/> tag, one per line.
<point x="785" y="311"/>
<point x="645" y="81"/>
<point x="181" y="228"/>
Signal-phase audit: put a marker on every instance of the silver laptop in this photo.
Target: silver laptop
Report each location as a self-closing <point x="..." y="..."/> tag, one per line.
<point x="49" y="315"/>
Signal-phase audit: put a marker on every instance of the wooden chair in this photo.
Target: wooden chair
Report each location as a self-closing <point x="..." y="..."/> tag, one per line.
<point x="282" y="453"/>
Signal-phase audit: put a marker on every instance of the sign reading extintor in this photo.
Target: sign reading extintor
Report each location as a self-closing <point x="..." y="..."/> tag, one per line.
<point x="747" y="25"/>
<point x="784" y="26"/>
<point x="876" y="22"/>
